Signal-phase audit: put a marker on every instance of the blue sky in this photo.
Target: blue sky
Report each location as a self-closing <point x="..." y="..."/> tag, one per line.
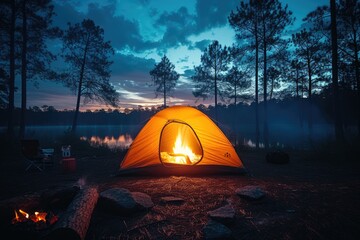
<point x="141" y="32"/>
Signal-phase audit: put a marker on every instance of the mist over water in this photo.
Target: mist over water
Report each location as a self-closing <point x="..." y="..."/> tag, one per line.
<point x="292" y="136"/>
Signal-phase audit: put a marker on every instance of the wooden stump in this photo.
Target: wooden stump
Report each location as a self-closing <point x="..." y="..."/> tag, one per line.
<point x="74" y="223"/>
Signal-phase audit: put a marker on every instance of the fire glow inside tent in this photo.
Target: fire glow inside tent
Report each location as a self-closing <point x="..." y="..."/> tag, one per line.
<point x="180" y="140"/>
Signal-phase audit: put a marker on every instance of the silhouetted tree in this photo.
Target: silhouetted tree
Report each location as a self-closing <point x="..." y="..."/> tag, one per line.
<point x="8" y="11"/>
<point x="4" y="89"/>
<point x="279" y="63"/>
<point x="209" y="75"/>
<point x="245" y="21"/>
<point x="164" y="77"/>
<point x="24" y="35"/>
<point x="35" y="56"/>
<point x="297" y="76"/>
<point x="310" y="49"/>
<point x="261" y="22"/>
<point x="87" y="55"/>
<point x="339" y="133"/>
<point x="348" y="22"/>
<point x="25" y="46"/>
<point x="274" y="18"/>
<point x="239" y="82"/>
<point x="348" y="40"/>
<point x="274" y="75"/>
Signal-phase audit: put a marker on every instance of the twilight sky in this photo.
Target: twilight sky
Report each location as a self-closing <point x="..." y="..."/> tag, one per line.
<point x="141" y="32"/>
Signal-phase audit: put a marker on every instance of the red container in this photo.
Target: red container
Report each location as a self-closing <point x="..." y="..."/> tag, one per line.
<point x="68" y="164"/>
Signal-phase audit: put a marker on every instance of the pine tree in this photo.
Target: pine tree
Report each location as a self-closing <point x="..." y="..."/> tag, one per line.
<point x="87" y="55"/>
<point x="164" y="77"/>
<point x="209" y="75"/>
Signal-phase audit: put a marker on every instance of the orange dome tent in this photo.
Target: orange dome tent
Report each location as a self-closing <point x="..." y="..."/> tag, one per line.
<point x="180" y="140"/>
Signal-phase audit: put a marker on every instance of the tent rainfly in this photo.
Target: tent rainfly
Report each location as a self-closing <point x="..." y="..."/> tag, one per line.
<point x="180" y="140"/>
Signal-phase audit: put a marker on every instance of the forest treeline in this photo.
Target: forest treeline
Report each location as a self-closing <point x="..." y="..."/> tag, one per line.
<point x="281" y="112"/>
<point x="312" y="72"/>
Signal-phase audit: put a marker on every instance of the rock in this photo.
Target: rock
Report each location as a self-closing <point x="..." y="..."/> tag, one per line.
<point x="250" y="192"/>
<point x="122" y="201"/>
<point x="215" y="230"/>
<point x="225" y="214"/>
<point x="171" y="200"/>
<point x="142" y="200"/>
<point x="118" y="200"/>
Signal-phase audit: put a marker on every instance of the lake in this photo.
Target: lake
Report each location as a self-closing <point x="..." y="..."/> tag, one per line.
<point x="113" y="136"/>
<point x="121" y="136"/>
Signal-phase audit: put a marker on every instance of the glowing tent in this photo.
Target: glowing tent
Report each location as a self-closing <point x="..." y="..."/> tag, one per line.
<point x="180" y="140"/>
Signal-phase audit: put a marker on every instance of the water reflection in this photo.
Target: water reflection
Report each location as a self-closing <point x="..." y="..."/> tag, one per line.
<point x="251" y="144"/>
<point x="121" y="136"/>
<point x="122" y="142"/>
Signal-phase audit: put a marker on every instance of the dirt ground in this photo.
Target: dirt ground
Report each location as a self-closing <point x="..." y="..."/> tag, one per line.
<point x="311" y="197"/>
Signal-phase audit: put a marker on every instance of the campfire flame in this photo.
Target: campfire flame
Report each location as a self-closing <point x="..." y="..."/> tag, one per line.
<point x="181" y="153"/>
<point x="22" y="216"/>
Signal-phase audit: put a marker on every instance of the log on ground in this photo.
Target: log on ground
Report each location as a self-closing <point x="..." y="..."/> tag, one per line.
<point x="74" y="223"/>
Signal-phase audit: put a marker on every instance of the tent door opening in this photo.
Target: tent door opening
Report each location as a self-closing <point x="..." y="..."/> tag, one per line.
<point x="179" y="144"/>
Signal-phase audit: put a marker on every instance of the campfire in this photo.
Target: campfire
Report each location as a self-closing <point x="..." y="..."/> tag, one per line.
<point x="38" y="220"/>
<point x="181" y="153"/>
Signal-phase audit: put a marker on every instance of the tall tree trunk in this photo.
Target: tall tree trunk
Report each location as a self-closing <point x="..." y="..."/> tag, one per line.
<point x="272" y="88"/>
<point x="339" y="134"/>
<point x="309" y="107"/>
<point x="297" y="83"/>
<point x="164" y="92"/>
<point x="23" y="72"/>
<point x="357" y="76"/>
<point x="10" y="127"/>
<point x="235" y="119"/>
<point x="235" y="94"/>
<point x="257" y="130"/>
<point x="216" y="105"/>
<point x="266" y="126"/>
<point x="309" y="77"/>
<point x="298" y="97"/>
<point x="74" y="125"/>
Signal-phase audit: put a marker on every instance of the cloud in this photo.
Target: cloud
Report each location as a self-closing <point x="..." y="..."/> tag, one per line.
<point x="213" y="13"/>
<point x="201" y="45"/>
<point x="128" y="63"/>
<point x="130" y="77"/>
<point x="169" y="29"/>
<point x="188" y="73"/>
<point x="124" y="34"/>
<point x="184" y="59"/>
<point x="179" y="24"/>
<point x="66" y="13"/>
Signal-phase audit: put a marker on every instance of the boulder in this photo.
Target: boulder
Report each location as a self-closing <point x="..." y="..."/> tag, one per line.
<point x="142" y="200"/>
<point x="122" y="201"/>
<point x="215" y="230"/>
<point x="250" y="192"/>
<point x="225" y="214"/>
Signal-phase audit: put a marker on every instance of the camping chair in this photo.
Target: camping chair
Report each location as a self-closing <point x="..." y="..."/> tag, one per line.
<point x="34" y="156"/>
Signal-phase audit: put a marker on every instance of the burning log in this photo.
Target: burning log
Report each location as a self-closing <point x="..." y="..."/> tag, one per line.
<point x="75" y="221"/>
